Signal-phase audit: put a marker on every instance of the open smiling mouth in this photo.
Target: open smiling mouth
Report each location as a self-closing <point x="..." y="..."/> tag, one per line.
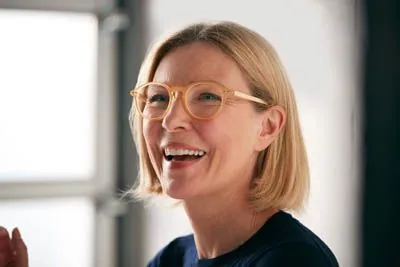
<point x="183" y="154"/>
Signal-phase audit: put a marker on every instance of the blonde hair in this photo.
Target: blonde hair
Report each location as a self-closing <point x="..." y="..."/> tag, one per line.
<point x="282" y="169"/>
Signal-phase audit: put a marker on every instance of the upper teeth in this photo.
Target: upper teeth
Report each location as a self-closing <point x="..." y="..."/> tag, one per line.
<point x="181" y="152"/>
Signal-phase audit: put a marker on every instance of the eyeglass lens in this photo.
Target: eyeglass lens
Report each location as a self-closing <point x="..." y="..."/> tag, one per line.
<point x="202" y="100"/>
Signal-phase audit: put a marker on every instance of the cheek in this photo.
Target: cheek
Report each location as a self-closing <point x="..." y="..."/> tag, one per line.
<point x="221" y="137"/>
<point x="231" y="137"/>
<point x="151" y="133"/>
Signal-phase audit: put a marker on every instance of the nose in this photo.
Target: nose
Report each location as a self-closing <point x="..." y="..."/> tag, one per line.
<point x="177" y="118"/>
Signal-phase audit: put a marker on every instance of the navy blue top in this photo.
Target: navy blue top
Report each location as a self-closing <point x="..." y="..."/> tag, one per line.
<point x="282" y="241"/>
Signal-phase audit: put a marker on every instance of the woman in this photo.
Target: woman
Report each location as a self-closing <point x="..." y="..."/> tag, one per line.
<point x="216" y="126"/>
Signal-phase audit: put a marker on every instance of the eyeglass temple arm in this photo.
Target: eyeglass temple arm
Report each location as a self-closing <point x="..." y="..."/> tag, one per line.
<point x="249" y="97"/>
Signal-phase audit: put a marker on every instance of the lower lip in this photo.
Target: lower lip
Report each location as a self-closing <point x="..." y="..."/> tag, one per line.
<point x="174" y="165"/>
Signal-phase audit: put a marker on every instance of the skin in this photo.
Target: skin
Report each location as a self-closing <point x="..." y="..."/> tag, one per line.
<point x="215" y="189"/>
<point x="13" y="251"/>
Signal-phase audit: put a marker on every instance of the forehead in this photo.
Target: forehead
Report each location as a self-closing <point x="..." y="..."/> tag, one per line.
<point x="199" y="62"/>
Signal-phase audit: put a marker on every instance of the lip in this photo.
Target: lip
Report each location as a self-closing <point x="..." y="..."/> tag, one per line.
<point x="175" y="165"/>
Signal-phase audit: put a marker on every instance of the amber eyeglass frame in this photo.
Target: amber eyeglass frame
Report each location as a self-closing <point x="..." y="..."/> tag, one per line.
<point x="173" y="92"/>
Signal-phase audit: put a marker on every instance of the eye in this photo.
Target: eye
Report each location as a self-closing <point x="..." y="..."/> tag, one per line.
<point x="158" y="98"/>
<point x="208" y="96"/>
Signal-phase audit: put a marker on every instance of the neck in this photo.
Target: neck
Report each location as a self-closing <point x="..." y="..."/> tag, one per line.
<point x="223" y="223"/>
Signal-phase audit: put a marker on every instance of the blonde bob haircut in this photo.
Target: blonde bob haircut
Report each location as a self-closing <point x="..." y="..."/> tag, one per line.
<point x="281" y="173"/>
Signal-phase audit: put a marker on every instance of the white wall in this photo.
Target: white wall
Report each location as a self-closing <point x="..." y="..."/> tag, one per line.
<point x="316" y="41"/>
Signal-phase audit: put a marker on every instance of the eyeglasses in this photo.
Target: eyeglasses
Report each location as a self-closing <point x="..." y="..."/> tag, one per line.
<point x="201" y="100"/>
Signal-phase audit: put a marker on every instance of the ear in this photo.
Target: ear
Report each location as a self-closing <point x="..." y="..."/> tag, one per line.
<point x="272" y="122"/>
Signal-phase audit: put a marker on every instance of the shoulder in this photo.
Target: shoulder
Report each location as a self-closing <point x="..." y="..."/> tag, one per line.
<point x="176" y="253"/>
<point x="290" y="243"/>
<point x="295" y="254"/>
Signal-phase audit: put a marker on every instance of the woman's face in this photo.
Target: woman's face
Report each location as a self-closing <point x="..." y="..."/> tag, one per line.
<point x="228" y="140"/>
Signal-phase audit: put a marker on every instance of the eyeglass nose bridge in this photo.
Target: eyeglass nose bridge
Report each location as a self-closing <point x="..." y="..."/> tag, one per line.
<point x="175" y="91"/>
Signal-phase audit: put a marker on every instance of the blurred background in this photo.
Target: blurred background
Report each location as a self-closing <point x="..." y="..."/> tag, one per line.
<point x="66" y="152"/>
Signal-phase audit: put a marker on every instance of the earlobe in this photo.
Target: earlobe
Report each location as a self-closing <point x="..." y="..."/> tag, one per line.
<point x="272" y="124"/>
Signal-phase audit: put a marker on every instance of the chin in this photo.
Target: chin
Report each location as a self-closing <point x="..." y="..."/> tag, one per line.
<point x="178" y="191"/>
<point x="178" y="194"/>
